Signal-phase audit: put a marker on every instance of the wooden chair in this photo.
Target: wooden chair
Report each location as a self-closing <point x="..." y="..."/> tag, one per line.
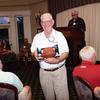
<point x="8" y="92"/>
<point x="83" y="89"/>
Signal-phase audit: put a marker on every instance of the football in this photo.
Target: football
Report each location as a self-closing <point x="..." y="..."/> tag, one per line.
<point x="48" y="52"/>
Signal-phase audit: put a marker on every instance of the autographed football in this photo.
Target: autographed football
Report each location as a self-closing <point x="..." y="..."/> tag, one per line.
<point x="48" y="52"/>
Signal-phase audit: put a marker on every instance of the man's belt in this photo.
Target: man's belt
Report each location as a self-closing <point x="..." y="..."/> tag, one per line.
<point x="53" y="69"/>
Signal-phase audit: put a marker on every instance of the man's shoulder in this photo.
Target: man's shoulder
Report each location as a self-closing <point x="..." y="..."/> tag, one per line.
<point x="79" y="67"/>
<point x="10" y="73"/>
<point x="57" y="32"/>
<point x="38" y="35"/>
<point x="80" y="18"/>
<point x="98" y="65"/>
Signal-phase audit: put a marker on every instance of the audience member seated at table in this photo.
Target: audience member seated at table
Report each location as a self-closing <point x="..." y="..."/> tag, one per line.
<point x="88" y="69"/>
<point x="4" y="47"/>
<point x="5" y="53"/>
<point x="11" y="78"/>
<point x="25" y="52"/>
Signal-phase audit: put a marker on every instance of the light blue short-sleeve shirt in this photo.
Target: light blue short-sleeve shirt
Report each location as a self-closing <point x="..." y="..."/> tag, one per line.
<point x="11" y="78"/>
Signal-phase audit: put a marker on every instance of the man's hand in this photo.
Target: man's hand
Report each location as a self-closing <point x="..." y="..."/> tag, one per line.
<point x="51" y="60"/>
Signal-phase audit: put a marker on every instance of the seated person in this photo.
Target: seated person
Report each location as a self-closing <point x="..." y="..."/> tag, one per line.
<point x="5" y="53"/>
<point x="4" y="49"/>
<point x="6" y="45"/>
<point x="88" y="70"/>
<point x="25" y="49"/>
<point x="11" y="78"/>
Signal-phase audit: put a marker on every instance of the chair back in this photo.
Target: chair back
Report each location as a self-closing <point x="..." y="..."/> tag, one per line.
<point x="8" y="92"/>
<point x="83" y="89"/>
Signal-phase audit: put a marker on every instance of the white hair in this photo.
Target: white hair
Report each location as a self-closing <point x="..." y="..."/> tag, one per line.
<point x="87" y="53"/>
<point x="46" y="16"/>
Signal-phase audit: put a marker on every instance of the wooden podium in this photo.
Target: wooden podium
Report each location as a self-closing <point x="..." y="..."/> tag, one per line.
<point x="76" y="40"/>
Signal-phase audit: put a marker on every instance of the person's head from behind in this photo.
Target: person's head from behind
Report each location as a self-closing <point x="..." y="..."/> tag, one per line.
<point x="47" y="22"/>
<point x="88" y="53"/>
<point x="74" y="14"/>
<point x="1" y="65"/>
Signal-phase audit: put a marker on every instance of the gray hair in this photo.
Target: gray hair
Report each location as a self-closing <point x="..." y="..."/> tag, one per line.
<point x="87" y="53"/>
<point x="46" y="15"/>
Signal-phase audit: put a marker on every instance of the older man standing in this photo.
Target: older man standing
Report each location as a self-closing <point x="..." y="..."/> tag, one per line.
<point x="53" y="76"/>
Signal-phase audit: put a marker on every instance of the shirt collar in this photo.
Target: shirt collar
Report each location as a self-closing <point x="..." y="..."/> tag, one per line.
<point x="52" y="34"/>
<point x="87" y="62"/>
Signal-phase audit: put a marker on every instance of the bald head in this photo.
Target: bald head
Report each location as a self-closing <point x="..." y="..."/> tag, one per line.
<point x="75" y="12"/>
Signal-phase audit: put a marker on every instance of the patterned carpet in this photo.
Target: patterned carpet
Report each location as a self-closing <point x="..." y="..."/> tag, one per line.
<point x="29" y="75"/>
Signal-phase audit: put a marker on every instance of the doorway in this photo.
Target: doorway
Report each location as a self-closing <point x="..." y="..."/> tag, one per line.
<point x="4" y="36"/>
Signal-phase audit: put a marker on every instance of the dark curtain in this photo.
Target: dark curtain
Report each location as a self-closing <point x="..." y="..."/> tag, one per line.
<point x="56" y="6"/>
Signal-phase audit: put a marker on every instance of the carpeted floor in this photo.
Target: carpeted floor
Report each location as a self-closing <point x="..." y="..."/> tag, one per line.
<point x="29" y="75"/>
